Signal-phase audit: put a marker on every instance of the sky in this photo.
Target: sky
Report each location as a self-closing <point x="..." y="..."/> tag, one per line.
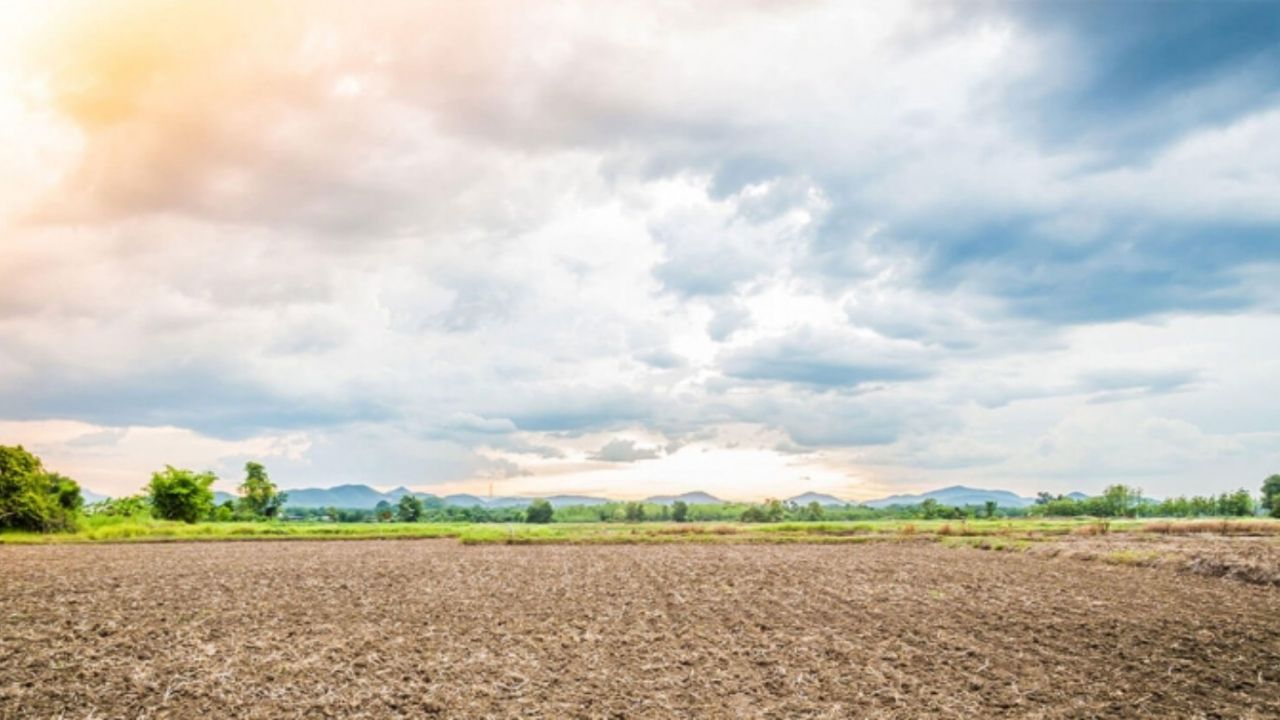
<point x="753" y="248"/>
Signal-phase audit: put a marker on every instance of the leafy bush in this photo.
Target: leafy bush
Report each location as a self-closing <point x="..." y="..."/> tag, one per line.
<point x="539" y="511"/>
<point x="32" y="498"/>
<point x="226" y="512"/>
<point x="178" y="494"/>
<point x="128" y="506"/>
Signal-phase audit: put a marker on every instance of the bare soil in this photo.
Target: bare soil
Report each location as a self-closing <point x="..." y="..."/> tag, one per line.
<point x="384" y="629"/>
<point x="1254" y="560"/>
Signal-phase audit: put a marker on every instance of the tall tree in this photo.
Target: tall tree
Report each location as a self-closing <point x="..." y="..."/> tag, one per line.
<point x="259" y="496"/>
<point x="1121" y="500"/>
<point x="409" y="509"/>
<point x="1271" y="495"/>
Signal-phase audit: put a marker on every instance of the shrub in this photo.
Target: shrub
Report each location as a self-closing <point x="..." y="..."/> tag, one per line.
<point x="539" y="511"/>
<point x="178" y="494"/>
<point x="128" y="506"/>
<point x="226" y="512"/>
<point x="32" y="498"/>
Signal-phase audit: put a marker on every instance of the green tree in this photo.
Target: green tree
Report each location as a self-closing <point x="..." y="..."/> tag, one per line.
<point x="259" y="497"/>
<point x="813" y="511"/>
<point x="1238" y="504"/>
<point x="383" y="511"/>
<point x="1121" y="500"/>
<point x="539" y="511"/>
<point x="1271" y="495"/>
<point x="409" y="509"/>
<point x="990" y="508"/>
<point x="178" y="494"/>
<point x="680" y="511"/>
<point x="32" y="498"/>
<point x="635" y="512"/>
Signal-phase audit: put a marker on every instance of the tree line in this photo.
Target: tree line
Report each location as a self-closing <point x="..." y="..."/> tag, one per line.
<point x="36" y="499"/>
<point x="1124" y="501"/>
<point x="33" y="498"/>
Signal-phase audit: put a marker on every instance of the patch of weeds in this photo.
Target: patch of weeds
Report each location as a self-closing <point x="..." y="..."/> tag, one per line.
<point x="1131" y="557"/>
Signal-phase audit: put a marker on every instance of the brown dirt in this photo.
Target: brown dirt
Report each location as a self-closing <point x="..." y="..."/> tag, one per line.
<point x="1253" y="560"/>
<point x="431" y="628"/>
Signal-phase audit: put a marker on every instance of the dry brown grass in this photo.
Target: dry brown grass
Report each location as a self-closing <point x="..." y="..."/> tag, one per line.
<point x="695" y="530"/>
<point x="1215" y="527"/>
<point x="1095" y="528"/>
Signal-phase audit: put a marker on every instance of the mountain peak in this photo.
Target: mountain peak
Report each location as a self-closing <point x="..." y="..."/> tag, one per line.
<point x="697" y="497"/>
<point x="807" y="497"/>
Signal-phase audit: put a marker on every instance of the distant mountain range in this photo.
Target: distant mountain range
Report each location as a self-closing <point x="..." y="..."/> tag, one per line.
<point x="956" y="495"/>
<point x="363" y="497"/>
<point x="342" y="496"/>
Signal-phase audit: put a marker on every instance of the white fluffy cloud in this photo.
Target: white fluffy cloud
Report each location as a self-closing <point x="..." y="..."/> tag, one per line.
<point x="438" y="245"/>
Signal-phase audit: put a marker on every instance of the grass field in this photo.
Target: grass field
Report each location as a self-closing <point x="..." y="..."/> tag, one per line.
<point x="993" y="534"/>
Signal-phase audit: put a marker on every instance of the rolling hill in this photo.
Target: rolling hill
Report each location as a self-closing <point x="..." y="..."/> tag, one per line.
<point x="692" y="498"/>
<point x="956" y="495"/>
<point x="820" y="498"/>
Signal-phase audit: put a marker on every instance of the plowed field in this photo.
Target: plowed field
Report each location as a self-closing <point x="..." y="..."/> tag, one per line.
<point x="433" y="628"/>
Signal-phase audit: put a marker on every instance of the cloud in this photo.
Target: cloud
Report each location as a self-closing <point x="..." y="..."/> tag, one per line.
<point x="727" y="319"/>
<point x="623" y="451"/>
<point x="662" y="359"/>
<point x="807" y="358"/>
<point x="1166" y="72"/>
<point x="1117" y="384"/>
<point x="423" y="236"/>
<point x="475" y="423"/>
